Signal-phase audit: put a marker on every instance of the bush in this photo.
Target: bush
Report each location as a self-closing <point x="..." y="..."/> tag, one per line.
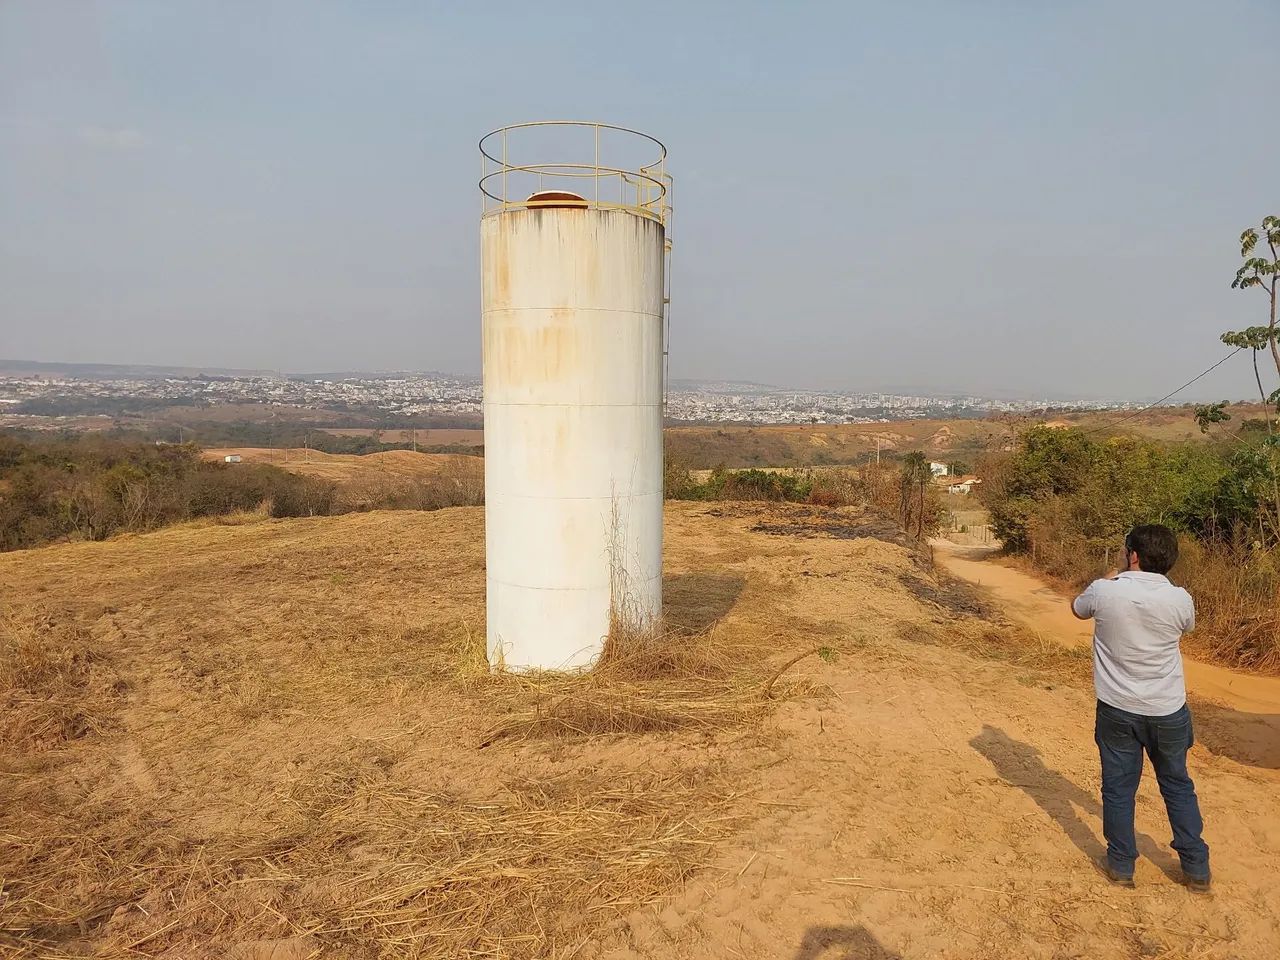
<point x="836" y="488"/>
<point x="1236" y="587"/>
<point x="722" y="484"/>
<point x="1067" y="501"/>
<point x="459" y="483"/>
<point x="875" y="485"/>
<point x="89" y="487"/>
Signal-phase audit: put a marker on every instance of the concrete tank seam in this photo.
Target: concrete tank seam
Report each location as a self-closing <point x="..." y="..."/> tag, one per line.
<point x="526" y="586"/>
<point x="532" y="496"/>
<point x="576" y="406"/>
<point x="565" y="306"/>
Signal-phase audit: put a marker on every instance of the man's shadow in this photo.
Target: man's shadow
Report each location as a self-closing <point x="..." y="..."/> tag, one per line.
<point x="1019" y="765"/>
<point x="842" y="943"/>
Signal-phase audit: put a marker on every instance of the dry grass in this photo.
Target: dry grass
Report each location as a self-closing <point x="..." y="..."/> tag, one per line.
<point x="373" y="867"/>
<point x="349" y="852"/>
<point x="222" y="739"/>
<point x="54" y="685"/>
<point x="391" y="478"/>
<point x="262" y="740"/>
<point x="1007" y="643"/>
<point x="645" y="681"/>
<point x="1237" y="592"/>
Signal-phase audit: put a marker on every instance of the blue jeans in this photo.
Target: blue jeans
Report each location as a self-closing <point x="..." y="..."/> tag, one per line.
<point x="1121" y="738"/>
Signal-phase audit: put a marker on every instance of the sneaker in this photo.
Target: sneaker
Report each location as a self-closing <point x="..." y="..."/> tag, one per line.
<point x="1120" y="879"/>
<point x="1198" y="884"/>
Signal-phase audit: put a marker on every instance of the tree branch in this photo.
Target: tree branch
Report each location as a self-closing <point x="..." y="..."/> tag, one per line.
<point x="1275" y="353"/>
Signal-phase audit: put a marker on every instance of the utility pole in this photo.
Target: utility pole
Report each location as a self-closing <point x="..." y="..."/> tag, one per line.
<point x="415" y="439"/>
<point x="877" y="451"/>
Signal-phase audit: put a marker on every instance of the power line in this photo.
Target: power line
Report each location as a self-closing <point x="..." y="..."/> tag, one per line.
<point x="1142" y="410"/>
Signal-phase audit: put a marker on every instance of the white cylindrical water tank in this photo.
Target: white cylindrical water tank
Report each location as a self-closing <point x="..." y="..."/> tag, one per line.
<point x="572" y="311"/>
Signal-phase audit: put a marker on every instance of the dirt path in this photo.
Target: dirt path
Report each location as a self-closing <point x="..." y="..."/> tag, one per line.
<point x="1028" y="599"/>
<point x="941" y="806"/>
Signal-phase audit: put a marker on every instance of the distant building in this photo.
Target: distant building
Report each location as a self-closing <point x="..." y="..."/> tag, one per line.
<point x="231" y="458"/>
<point x="939" y="469"/>
<point x="961" y="485"/>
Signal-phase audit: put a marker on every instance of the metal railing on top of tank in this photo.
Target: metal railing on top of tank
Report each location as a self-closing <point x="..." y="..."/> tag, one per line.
<point x="641" y="189"/>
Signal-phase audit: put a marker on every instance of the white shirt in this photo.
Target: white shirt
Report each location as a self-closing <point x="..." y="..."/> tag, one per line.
<point x="1139" y="618"/>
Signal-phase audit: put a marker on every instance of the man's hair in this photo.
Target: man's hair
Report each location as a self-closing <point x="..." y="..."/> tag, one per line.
<point x="1156" y="546"/>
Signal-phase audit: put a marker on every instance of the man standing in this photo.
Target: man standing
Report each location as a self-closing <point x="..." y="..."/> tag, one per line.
<point x="1139" y="618"/>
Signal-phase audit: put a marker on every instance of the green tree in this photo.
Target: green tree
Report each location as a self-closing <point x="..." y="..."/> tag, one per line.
<point x="1261" y="273"/>
<point x="914" y="481"/>
<point x="1208" y="414"/>
<point x="1258" y="271"/>
<point x="1255" y="339"/>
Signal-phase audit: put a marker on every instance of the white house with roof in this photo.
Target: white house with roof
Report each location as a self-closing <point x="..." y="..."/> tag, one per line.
<point x="962" y="485"/>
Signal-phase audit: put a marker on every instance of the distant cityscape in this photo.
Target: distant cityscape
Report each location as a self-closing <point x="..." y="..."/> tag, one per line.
<point x="759" y="404"/>
<point x="424" y="395"/>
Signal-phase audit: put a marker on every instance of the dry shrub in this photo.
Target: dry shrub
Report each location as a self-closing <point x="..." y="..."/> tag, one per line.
<point x="646" y="680"/>
<point x="1058" y="547"/>
<point x="458" y="483"/>
<point x="236" y="518"/>
<point x="882" y="488"/>
<point x="837" y="488"/>
<point x="1236" y="587"/>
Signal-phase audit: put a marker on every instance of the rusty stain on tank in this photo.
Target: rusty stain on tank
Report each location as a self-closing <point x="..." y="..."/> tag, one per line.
<point x="572" y="307"/>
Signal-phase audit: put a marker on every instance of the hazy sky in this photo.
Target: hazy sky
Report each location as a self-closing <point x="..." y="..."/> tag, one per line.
<point x="991" y="195"/>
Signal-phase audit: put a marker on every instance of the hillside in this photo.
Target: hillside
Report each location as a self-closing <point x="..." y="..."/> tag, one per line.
<point x="426" y="437"/>
<point x="272" y="740"/>
<point x="388" y="479"/>
<point x="389" y="465"/>
<point x="698" y="447"/>
<point x="704" y="447"/>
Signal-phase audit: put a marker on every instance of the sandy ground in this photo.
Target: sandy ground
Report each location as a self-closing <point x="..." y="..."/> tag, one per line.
<point x="930" y="805"/>
<point x="942" y="806"/>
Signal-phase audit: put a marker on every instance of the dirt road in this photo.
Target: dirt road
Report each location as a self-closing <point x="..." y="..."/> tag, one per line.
<point x="1023" y="597"/>
<point x="941" y="806"/>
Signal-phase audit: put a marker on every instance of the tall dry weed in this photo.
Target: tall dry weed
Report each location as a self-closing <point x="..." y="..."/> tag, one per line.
<point x="1237" y="592"/>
